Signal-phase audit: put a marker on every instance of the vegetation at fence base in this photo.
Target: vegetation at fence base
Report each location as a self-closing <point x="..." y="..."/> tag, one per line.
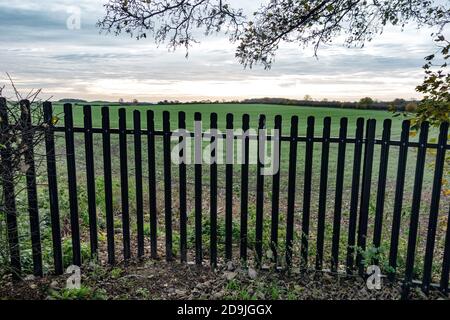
<point x="83" y="293"/>
<point x="68" y="252"/>
<point x="372" y="254"/>
<point x="160" y="280"/>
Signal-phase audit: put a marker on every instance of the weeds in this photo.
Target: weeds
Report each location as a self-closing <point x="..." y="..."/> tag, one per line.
<point x="83" y="293"/>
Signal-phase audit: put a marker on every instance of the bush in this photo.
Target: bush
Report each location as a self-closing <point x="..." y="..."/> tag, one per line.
<point x="411" y="107"/>
<point x="365" y="103"/>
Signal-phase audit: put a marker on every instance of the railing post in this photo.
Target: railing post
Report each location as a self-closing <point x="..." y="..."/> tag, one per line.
<point x="72" y="184"/>
<point x="365" y="192"/>
<point x="381" y="190"/>
<point x="307" y="193"/>
<point x="9" y="206"/>
<point x="244" y="186"/>
<point x="106" y="136"/>
<point x="276" y="189"/>
<point x="53" y="188"/>
<point x="183" y="195"/>
<point x="398" y="202"/>
<point x="356" y="178"/>
<point x="139" y="191"/>
<point x="33" y="208"/>
<point x="323" y="192"/>
<point x="213" y="189"/>
<point x="229" y="188"/>
<point x="434" y="207"/>
<point x="291" y="190"/>
<point x="152" y="183"/>
<point x="338" y="195"/>
<point x="124" y="183"/>
<point x="446" y="260"/>
<point x="415" y="209"/>
<point x="198" y="189"/>
<point x="260" y="189"/>
<point x="90" y="179"/>
<point x="167" y="185"/>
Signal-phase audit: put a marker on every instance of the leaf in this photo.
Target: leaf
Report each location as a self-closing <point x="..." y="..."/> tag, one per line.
<point x="54" y="120"/>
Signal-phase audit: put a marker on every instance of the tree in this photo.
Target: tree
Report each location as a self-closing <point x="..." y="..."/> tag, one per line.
<point x="411" y="107"/>
<point x="364" y="103"/>
<point x="171" y="21"/>
<point x="307" y="22"/>
<point x="308" y="98"/>
<point x="435" y="106"/>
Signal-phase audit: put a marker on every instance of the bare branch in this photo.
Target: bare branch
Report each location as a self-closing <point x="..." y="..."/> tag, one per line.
<point x="307" y="22"/>
<point x="17" y="128"/>
<point x="319" y="22"/>
<point x="174" y="22"/>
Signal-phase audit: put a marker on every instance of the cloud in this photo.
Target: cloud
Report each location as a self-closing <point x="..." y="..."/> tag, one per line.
<point x="40" y="51"/>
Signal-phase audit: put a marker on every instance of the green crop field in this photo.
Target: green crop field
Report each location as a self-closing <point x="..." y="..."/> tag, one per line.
<point x="254" y="110"/>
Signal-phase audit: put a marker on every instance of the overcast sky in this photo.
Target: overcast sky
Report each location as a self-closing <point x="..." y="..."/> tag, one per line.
<point x="39" y="51"/>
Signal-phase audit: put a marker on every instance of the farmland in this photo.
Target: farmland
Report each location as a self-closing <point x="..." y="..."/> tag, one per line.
<point x="253" y="110"/>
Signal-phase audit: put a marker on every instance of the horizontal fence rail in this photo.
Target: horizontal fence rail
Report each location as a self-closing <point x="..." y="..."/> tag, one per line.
<point x="268" y="138"/>
<point x="357" y="146"/>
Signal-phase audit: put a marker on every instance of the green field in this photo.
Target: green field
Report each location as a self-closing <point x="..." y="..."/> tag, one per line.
<point x="238" y="110"/>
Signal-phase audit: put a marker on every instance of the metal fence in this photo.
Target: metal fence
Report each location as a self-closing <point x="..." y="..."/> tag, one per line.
<point x="364" y="142"/>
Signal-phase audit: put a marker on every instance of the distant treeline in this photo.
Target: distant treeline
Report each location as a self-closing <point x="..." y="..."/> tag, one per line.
<point x="364" y="103"/>
<point x="72" y="101"/>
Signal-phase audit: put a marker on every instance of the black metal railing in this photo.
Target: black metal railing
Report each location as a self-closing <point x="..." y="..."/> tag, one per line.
<point x="363" y="144"/>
